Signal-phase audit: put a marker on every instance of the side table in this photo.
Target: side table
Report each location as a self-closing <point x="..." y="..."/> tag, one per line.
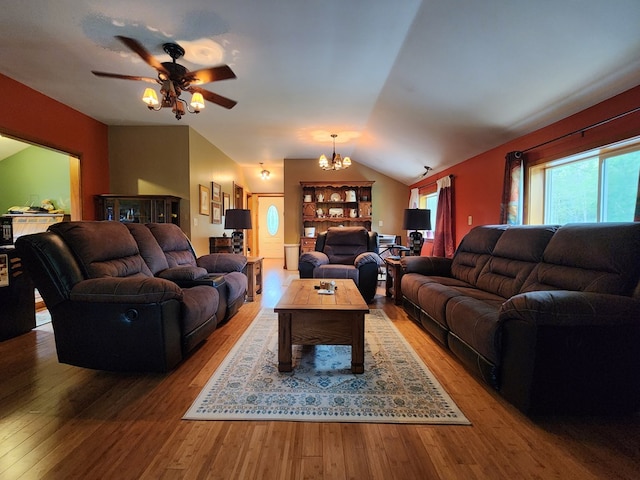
<point x="393" y="281"/>
<point x="254" y="275"/>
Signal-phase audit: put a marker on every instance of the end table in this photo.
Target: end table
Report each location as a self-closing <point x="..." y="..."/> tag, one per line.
<point x="254" y="275"/>
<point x="394" y="277"/>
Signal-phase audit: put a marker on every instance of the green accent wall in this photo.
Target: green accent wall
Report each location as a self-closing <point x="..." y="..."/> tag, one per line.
<point x="32" y="175"/>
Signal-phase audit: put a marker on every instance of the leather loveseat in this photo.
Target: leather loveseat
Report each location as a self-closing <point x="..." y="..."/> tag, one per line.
<point x="119" y="301"/>
<point x="549" y="316"/>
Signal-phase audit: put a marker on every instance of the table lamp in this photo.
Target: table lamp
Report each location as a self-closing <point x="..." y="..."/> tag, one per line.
<point x="416" y="219"/>
<point x="237" y="219"/>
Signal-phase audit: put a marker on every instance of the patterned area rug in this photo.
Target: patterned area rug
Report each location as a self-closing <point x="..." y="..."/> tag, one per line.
<point x="396" y="387"/>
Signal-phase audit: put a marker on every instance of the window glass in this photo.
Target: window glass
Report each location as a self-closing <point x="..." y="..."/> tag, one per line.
<point x="572" y="192"/>
<point x="273" y="220"/>
<point x="430" y="202"/>
<point x="620" y="185"/>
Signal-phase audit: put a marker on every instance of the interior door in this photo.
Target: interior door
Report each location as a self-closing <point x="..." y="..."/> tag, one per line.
<point x="271" y="226"/>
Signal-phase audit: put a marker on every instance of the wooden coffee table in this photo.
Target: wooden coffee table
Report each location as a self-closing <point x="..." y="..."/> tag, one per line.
<point x="306" y="317"/>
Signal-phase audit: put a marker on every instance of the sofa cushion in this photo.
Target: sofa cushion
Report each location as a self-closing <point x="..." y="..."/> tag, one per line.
<point x="474" y="251"/>
<point x="174" y="243"/>
<point x="515" y="255"/>
<point x="333" y="270"/>
<point x="125" y="290"/>
<point x="96" y="252"/>
<point x="599" y="258"/>
<point x="149" y="248"/>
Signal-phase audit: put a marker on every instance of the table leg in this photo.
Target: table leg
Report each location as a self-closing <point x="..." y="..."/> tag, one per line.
<point x="357" y="344"/>
<point x="284" y="342"/>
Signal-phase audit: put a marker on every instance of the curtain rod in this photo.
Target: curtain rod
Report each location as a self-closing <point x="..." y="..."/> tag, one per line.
<point x="582" y="130"/>
<point x="435" y="182"/>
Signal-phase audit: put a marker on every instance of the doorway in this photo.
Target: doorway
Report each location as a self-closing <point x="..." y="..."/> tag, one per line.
<point x="270" y="226"/>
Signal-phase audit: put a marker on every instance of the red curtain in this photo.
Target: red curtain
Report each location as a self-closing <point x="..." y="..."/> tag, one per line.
<point x="443" y="242"/>
<point x="511" y="206"/>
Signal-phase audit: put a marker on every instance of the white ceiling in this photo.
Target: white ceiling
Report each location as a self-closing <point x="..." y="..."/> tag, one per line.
<point x="404" y="83"/>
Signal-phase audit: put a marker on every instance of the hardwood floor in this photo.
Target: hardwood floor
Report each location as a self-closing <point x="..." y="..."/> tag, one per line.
<point x="58" y="421"/>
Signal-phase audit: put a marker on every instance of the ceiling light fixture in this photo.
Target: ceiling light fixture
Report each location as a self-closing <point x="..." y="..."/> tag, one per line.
<point x="337" y="162"/>
<point x="264" y="173"/>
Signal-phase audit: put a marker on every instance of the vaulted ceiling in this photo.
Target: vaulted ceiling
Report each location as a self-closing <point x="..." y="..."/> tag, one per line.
<point x="403" y="83"/>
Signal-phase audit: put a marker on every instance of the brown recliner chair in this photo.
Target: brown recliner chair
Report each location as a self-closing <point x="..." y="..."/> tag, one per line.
<point x="345" y="252"/>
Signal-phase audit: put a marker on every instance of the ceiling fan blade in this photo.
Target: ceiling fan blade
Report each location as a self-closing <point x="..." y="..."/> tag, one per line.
<point x="143" y="53"/>
<point x="214" y="97"/>
<point x="124" y="77"/>
<point x="208" y="75"/>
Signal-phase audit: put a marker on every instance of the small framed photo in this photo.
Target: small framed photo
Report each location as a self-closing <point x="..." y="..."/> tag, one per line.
<point x="205" y="200"/>
<point x="226" y="203"/>
<point x="216" y="192"/>
<point x="216" y="212"/>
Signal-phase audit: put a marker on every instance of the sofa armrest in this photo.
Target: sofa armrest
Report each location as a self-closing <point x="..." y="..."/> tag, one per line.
<point x="314" y="258"/>
<point x="133" y="290"/>
<point x="570" y="352"/>
<point x="222" y="262"/>
<point x="565" y="308"/>
<point x="182" y="273"/>
<point x="367" y="257"/>
<point x="432" y="266"/>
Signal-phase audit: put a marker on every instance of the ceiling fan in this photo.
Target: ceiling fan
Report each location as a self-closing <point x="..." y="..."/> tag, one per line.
<point x="174" y="79"/>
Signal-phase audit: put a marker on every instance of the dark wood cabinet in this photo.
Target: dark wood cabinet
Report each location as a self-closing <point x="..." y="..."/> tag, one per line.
<point x="17" y="298"/>
<point x="326" y="204"/>
<point x="138" y="208"/>
<point x="220" y="245"/>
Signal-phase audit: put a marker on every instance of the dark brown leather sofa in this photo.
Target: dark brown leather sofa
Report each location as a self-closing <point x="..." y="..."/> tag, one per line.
<point x="549" y="316"/>
<point x="117" y="304"/>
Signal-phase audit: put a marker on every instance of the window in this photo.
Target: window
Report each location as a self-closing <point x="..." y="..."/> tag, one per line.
<point x="430" y="202"/>
<point x="596" y="186"/>
<point x="273" y="220"/>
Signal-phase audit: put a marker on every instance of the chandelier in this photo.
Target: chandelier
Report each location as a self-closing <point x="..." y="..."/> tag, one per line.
<point x="264" y="173"/>
<point x="337" y="162"/>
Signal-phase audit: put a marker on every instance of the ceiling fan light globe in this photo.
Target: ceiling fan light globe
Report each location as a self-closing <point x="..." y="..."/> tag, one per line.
<point x="346" y="163"/>
<point x="323" y="162"/>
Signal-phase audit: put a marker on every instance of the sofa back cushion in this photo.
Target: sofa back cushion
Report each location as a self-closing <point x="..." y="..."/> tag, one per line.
<point x="590" y="257"/>
<point x="474" y="251"/>
<point x="103" y="249"/>
<point x="515" y="255"/>
<point x="174" y="243"/>
<point x="149" y="249"/>
<point x="343" y="244"/>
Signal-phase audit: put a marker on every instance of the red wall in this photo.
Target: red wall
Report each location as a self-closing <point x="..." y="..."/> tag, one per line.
<point x="35" y="118"/>
<point x="478" y="181"/>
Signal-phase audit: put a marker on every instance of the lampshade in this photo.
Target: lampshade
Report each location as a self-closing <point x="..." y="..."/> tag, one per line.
<point x="197" y="101"/>
<point x="237" y="219"/>
<point x="416" y="219"/>
<point x="149" y="97"/>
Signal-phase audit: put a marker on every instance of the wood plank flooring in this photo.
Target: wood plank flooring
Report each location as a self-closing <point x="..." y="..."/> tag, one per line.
<point x="58" y="421"/>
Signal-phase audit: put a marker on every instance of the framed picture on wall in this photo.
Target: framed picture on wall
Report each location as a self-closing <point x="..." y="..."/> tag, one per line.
<point x="216" y="212"/>
<point x="216" y="192"/>
<point x="226" y="203"/>
<point x="204" y="200"/>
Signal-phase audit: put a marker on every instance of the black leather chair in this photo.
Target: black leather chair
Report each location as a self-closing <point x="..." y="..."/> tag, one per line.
<point x="345" y="252"/>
